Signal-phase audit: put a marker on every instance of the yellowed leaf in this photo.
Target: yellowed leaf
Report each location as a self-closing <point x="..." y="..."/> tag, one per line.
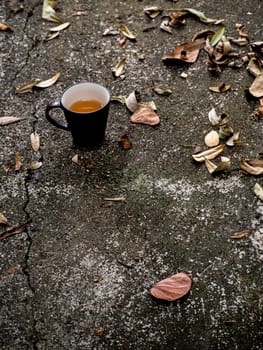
<point x="208" y="154"/>
<point x="18" y="163"/>
<point x="252" y="166"/>
<point x="118" y="69"/>
<point x="27" y="87"/>
<point x="35" y="141"/>
<point x="35" y="165"/>
<point x="48" y="82"/>
<point x="126" y="32"/>
<point x="3" y="219"/>
<point x="60" y="27"/>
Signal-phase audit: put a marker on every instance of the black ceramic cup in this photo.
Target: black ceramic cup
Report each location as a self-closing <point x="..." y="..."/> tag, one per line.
<point x="87" y="127"/>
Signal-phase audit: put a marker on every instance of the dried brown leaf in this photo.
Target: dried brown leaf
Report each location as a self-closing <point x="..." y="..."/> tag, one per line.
<point x="256" y="89"/>
<point x="5" y="27"/>
<point x="145" y="115"/>
<point x="254" y="66"/>
<point x="118" y="69"/>
<point x="153" y="11"/>
<point x="126" y="32"/>
<point x="18" y="163"/>
<point x="125" y="142"/>
<point x="187" y="52"/>
<point x="258" y="190"/>
<point x="3" y="219"/>
<point x="160" y="90"/>
<point x="223" y="165"/>
<point x="15" y="230"/>
<point x="208" y="154"/>
<point x="51" y="36"/>
<point x="115" y="199"/>
<point x="27" y="87"/>
<point x="34" y="165"/>
<point x="35" y="141"/>
<point x="243" y="234"/>
<point x="252" y="166"/>
<point x="48" y="11"/>
<point x="220" y="88"/>
<point x="60" y="27"/>
<point x="172" y="288"/>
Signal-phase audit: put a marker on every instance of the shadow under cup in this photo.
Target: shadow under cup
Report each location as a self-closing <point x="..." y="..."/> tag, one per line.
<point x="87" y="128"/>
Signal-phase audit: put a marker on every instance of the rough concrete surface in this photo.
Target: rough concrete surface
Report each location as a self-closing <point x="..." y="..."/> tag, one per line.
<point x="79" y="275"/>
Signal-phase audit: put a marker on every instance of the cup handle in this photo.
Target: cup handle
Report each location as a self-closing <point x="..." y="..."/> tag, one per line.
<point x="52" y="120"/>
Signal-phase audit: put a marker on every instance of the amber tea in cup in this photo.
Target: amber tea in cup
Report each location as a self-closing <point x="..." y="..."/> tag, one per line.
<point x="83" y="106"/>
<point x="86" y="108"/>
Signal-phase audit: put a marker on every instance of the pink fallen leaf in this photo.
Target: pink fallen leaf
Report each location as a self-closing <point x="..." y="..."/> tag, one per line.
<point x="5" y="120"/>
<point x="145" y="115"/>
<point x="172" y="288"/>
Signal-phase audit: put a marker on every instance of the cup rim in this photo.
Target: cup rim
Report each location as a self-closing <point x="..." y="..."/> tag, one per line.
<point x="86" y="83"/>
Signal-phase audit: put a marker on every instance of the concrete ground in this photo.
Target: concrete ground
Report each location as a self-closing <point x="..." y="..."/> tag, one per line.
<point x="79" y="275"/>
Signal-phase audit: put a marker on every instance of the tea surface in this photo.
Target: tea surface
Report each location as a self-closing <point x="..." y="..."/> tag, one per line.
<point x="84" y="106"/>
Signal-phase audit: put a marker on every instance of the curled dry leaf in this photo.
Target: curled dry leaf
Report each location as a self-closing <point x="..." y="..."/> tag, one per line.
<point x="216" y="168"/>
<point x="220" y="88"/>
<point x="256" y="89"/>
<point x="48" y="11"/>
<point x="35" y="141"/>
<point x="187" y="52"/>
<point x="252" y="166"/>
<point x="5" y="27"/>
<point x="172" y="288"/>
<point x="118" y="98"/>
<point x="258" y="190"/>
<point x="118" y="69"/>
<point x="213" y="117"/>
<point x="15" y="230"/>
<point x="9" y="120"/>
<point x="145" y="115"/>
<point x="234" y="139"/>
<point x="208" y="154"/>
<point x="127" y="33"/>
<point x="125" y="142"/>
<point x="3" y="219"/>
<point x="212" y="139"/>
<point x="18" y="163"/>
<point x="27" y="87"/>
<point x="132" y="101"/>
<point x="153" y="11"/>
<point x="243" y="234"/>
<point x="254" y="66"/>
<point x="48" y="82"/>
<point x="165" y="91"/>
<point x="51" y="36"/>
<point x="35" y="165"/>
<point x="60" y="27"/>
